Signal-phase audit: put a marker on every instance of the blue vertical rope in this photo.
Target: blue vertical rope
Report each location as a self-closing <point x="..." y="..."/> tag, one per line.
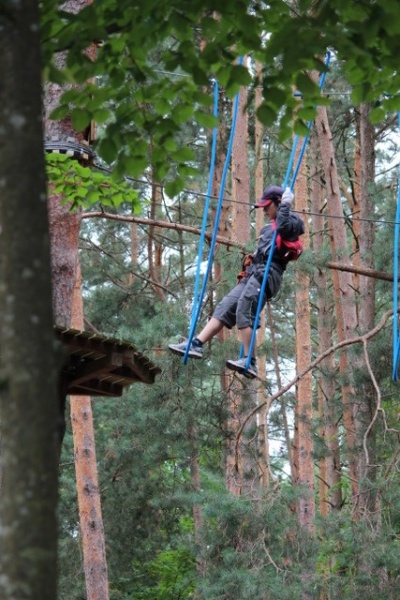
<point x="273" y="242"/>
<point x="396" y="339"/>
<point x="216" y="225"/>
<point x="197" y="299"/>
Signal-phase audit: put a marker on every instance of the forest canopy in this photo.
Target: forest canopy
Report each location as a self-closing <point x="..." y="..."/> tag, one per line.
<point x="141" y="46"/>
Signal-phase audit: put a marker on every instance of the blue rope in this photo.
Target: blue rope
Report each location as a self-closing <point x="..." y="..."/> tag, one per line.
<point x="396" y="338"/>
<point x="273" y="242"/>
<point x="216" y="225"/>
<point x="197" y="299"/>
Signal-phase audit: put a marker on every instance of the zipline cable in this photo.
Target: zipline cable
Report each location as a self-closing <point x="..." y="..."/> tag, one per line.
<point x="396" y="339"/>
<point x="273" y="242"/>
<point x="198" y="302"/>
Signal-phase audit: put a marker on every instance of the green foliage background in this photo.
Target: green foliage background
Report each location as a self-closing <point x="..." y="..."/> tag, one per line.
<point x="149" y="92"/>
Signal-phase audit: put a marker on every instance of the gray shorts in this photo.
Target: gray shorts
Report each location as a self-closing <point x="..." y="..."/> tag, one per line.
<point x="239" y="306"/>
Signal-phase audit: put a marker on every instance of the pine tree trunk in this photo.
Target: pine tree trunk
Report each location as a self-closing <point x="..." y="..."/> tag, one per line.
<point x="285" y="420"/>
<point x="304" y="409"/>
<point x="262" y="415"/>
<point x="64" y="225"/>
<point x="330" y="496"/>
<point x="366" y="404"/>
<point x="345" y="301"/>
<point x="30" y="358"/>
<point x="154" y="246"/>
<point x="195" y="481"/>
<point x="237" y="459"/>
<point x="87" y="484"/>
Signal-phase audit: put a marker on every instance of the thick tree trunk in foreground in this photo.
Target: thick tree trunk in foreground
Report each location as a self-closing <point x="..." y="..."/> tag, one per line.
<point x="29" y="358"/>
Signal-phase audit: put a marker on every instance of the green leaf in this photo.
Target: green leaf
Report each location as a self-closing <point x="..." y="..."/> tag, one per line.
<point x="183" y="154"/>
<point x="306" y="114"/>
<point x="240" y="75"/>
<point x="377" y="115"/>
<point x="301" y="128"/>
<point x="80" y="118"/>
<point x="266" y="114"/>
<point x="59" y="113"/>
<point x="188" y="171"/>
<point x="108" y="150"/>
<point x="172" y="188"/>
<point x="134" y="165"/>
<point x="205" y="119"/>
<point x="182" y="113"/>
<point x="101" y="116"/>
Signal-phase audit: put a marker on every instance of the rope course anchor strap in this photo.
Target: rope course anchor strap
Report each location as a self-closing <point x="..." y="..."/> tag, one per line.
<point x="273" y="242"/>
<point x="197" y="302"/>
<point x="396" y="338"/>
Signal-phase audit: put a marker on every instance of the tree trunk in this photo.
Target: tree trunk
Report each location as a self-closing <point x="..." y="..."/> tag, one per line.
<point x="330" y="496"/>
<point x="195" y="482"/>
<point x="87" y="484"/>
<point x="366" y="401"/>
<point x="236" y="455"/>
<point x="304" y="409"/>
<point x="345" y="301"/>
<point x="30" y="358"/>
<point x="262" y="416"/>
<point x="154" y="246"/>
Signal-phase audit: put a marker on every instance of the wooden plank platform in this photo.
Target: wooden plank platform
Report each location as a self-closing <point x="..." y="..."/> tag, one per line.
<point x="98" y="365"/>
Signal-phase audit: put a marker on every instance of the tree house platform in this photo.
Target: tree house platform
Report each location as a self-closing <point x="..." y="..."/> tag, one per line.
<point x="98" y="365"/>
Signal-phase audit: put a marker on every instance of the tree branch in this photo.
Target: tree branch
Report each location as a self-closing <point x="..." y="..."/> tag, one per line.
<point x="355" y="340"/>
<point x="230" y="243"/>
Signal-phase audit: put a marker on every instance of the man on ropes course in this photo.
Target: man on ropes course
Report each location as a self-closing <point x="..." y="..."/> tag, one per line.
<point x="239" y="306"/>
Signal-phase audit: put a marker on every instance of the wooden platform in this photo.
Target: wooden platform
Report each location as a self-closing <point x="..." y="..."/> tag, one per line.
<point x="98" y="365"/>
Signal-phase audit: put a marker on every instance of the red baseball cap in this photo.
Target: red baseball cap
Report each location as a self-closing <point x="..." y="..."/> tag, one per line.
<point x="270" y="194"/>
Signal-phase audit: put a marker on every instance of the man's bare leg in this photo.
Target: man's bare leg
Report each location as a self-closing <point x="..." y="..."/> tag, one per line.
<point x="210" y="330"/>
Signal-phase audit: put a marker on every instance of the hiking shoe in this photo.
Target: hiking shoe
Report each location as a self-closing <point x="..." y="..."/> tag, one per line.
<point x="240" y="367"/>
<point x="194" y="351"/>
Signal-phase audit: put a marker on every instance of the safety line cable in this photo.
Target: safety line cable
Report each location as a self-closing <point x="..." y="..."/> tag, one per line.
<point x="346" y="217"/>
<point x="216" y="224"/>
<point x="273" y="242"/>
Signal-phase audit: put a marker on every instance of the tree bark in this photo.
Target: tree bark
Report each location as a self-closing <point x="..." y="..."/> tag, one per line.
<point x="87" y="483"/>
<point x="239" y="461"/>
<point x="262" y="418"/>
<point x="345" y="301"/>
<point x="304" y="409"/>
<point x="366" y="401"/>
<point x="154" y="246"/>
<point x="29" y="356"/>
<point x="330" y="496"/>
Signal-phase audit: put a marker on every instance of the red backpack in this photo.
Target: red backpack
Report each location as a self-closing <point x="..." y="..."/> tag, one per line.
<point x="288" y="250"/>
